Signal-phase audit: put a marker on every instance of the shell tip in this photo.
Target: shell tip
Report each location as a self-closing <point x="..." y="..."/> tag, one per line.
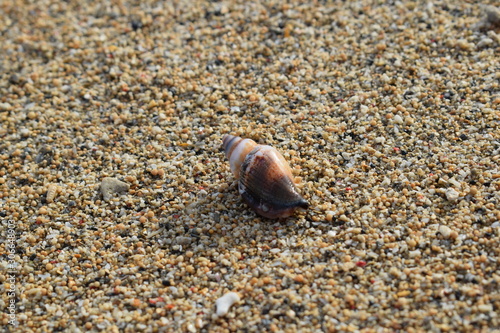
<point x="226" y="139"/>
<point x="303" y="204"/>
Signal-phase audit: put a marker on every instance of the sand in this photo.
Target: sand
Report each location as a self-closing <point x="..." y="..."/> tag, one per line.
<point x="118" y="209"/>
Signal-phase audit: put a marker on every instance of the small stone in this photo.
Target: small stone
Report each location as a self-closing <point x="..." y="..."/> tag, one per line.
<point x="485" y="307"/>
<point x="5" y="107"/>
<point x="347" y="266"/>
<point x="398" y="119"/>
<point x="24" y="132"/>
<point x="452" y="195"/>
<point x="414" y="254"/>
<point x="45" y="154"/>
<point x="329" y="216"/>
<point x="463" y="137"/>
<point x="381" y="47"/>
<point x="463" y="44"/>
<point x="411" y="243"/>
<point x="332" y="233"/>
<point x="14" y="79"/>
<point x="181" y="240"/>
<point x="225" y="302"/>
<point x="484" y="42"/>
<point x="395" y="272"/>
<point x="492" y="15"/>
<point x="445" y="231"/>
<point x="299" y="278"/>
<point x="135" y="302"/>
<point x="110" y="186"/>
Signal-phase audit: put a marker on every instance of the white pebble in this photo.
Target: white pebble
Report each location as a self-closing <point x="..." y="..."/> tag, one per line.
<point x="455" y="183"/>
<point x="414" y="254"/>
<point x="485" y="307"/>
<point x="444" y="231"/>
<point x="5" y="106"/>
<point x="225" y="302"/>
<point x="24" y="132"/>
<point x="451" y="194"/>
<point x="157" y="130"/>
<point x="398" y="119"/>
<point x="484" y="42"/>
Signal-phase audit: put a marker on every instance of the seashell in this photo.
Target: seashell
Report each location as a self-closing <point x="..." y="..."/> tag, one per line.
<point x="265" y="179"/>
<point x="52" y="190"/>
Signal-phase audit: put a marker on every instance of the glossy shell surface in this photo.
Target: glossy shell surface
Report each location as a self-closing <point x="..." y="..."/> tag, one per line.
<point x="265" y="180"/>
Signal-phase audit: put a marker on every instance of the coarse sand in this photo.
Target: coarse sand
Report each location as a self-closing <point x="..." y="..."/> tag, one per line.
<point x="119" y="212"/>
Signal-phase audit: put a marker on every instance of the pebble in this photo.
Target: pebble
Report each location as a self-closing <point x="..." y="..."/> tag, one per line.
<point x="225" y="302"/>
<point x="492" y="15"/>
<point x="484" y="42"/>
<point x="415" y="254"/>
<point x="485" y="308"/>
<point x="5" y="107"/>
<point x="111" y="186"/>
<point x="445" y="231"/>
<point x="452" y="195"/>
<point x="181" y="240"/>
<point x="398" y="119"/>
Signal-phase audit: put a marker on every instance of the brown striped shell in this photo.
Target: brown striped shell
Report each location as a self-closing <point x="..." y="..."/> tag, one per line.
<point x="265" y="179"/>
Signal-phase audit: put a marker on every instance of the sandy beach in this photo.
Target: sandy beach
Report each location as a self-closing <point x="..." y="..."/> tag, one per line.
<point x="118" y="209"/>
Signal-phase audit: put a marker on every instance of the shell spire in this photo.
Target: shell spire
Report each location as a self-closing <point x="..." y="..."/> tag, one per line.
<point x="265" y="180"/>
